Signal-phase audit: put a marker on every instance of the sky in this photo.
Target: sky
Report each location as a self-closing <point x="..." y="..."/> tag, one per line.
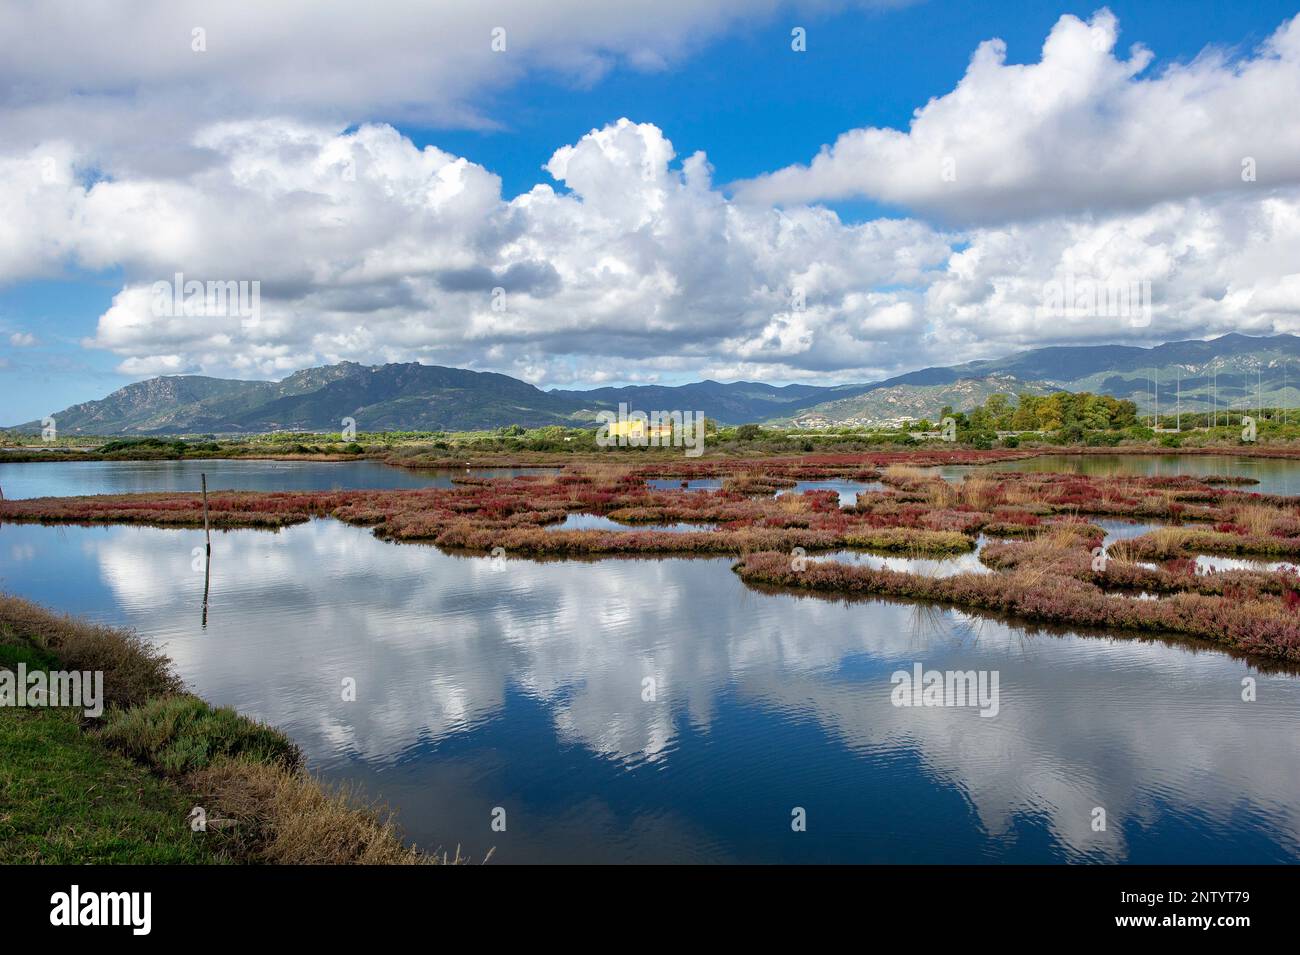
<point x="581" y="193"/>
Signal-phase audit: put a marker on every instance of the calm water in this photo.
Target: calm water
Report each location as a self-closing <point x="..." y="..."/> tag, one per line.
<point x="926" y="566"/>
<point x="847" y="490"/>
<point x="73" y="478"/>
<point x="485" y="683"/>
<point x="1275" y="475"/>
<point x="598" y="522"/>
<point x="699" y="484"/>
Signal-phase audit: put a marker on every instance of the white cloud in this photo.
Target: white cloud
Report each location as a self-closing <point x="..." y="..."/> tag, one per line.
<point x="129" y="79"/>
<point x="630" y="265"/>
<point x="367" y="247"/>
<point x="23" y="340"/>
<point x="1082" y="129"/>
<point x="1217" y="265"/>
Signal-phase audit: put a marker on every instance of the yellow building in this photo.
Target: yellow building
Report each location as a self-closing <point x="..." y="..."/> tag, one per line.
<point x="638" y="429"/>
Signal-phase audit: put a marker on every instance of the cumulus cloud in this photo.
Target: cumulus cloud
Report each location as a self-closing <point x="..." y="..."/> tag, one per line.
<point x="630" y="265"/>
<point x="1084" y="128"/>
<point x="1217" y="265"/>
<point x="365" y="246"/>
<point x="137" y="78"/>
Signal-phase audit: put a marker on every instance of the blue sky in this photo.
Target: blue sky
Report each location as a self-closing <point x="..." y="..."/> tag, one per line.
<point x="753" y="112"/>
<point x="737" y="93"/>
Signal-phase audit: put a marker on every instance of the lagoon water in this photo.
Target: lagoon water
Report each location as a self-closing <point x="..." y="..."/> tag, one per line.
<point x="847" y="490"/>
<point x="521" y="684"/>
<point x="73" y="478"/>
<point x="1275" y="475"/>
<point x="598" y="522"/>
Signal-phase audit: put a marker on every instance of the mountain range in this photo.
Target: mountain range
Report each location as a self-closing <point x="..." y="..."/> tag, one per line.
<point x="1238" y="370"/>
<point x="1232" y="371"/>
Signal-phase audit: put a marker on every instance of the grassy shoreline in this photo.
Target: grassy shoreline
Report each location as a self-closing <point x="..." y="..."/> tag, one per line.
<point x="122" y="788"/>
<point x="488" y="451"/>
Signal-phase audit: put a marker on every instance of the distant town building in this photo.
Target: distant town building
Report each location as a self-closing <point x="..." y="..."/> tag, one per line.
<point x="636" y="429"/>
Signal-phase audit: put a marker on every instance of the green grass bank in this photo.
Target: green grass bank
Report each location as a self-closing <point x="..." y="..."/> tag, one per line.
<point x="123" y="787"/>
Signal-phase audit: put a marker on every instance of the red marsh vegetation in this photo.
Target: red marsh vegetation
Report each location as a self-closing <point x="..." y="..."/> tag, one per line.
<point x="1042" y="539"/>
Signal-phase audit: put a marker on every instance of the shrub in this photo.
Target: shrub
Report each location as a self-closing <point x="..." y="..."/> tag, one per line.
<point x="119" y="445"/>
<point x="182" y="733"/>
<point x="133" y="670"/>
<point x="909" y="540"/>
<point x="1069" y="434"/>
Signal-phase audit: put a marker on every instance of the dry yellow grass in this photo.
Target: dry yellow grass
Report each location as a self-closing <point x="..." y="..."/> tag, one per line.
<point x="905" y="473"/>
<point x="1257" y="519"/>
<point x="1018" y="494"/>
<point x="944" y="494"/>
<point x="1052" y="540"/>
<point x="133" y="670"/>
<point x="265" y="813"/>
<point x="1051" y="543"/>
<point x="981" y="492"/>
<point x="1170" y="537"/>
<point x="605" y="473"/>
<point x="1169" y="541"/>
<point x="794" y="503"/>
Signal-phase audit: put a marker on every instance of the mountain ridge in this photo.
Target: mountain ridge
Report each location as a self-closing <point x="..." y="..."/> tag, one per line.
<point x="1235" y="370"/>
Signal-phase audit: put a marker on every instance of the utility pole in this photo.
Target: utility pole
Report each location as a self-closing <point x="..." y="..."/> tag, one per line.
<point x="1178" y="403"/>
<point x="1157" y="399"/>
<point x="1216" y="399"/>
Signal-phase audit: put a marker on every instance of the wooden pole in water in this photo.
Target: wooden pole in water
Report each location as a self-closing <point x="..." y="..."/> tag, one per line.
<point x="207" y="534"/>
<point x="207" y="585"/>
